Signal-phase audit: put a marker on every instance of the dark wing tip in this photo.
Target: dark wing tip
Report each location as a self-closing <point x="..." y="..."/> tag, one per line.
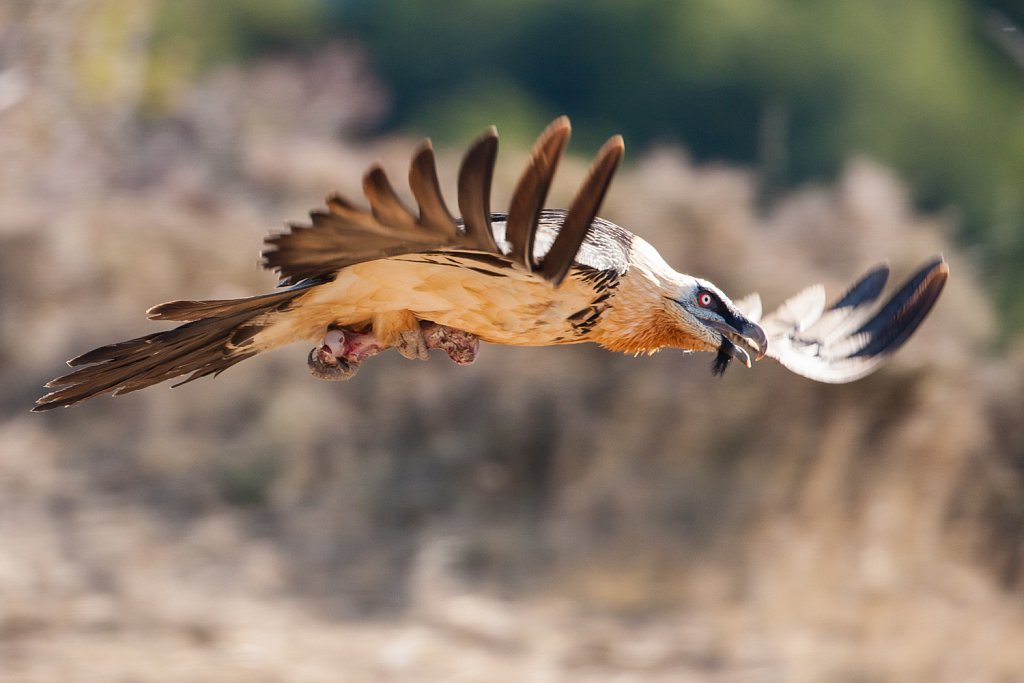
<point x="560" y="126"/>
<point x="864" y="290"/>
<point x="43" y="405"/>
<point x="424" y="145"/>
<point x="900" y="317"/>
<point x="423" y="160"/>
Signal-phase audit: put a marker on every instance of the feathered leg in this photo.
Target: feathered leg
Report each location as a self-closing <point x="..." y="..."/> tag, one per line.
<point x="401" y="329"/>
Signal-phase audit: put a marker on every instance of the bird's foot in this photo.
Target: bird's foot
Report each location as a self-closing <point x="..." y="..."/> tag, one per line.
<point x="412" y="345"/>
<point x="342" y="350"/>
<point x="340" y="353"/>
<point x="460" y="346"/>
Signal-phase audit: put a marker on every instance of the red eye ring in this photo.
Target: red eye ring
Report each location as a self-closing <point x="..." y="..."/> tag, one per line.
<point x="705" y="300"/>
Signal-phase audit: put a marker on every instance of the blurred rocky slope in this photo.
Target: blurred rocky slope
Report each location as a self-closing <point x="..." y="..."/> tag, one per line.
<point x="546" y="514"/>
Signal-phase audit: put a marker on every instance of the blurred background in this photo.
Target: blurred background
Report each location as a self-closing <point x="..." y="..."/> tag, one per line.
<point x="547" y="514"/>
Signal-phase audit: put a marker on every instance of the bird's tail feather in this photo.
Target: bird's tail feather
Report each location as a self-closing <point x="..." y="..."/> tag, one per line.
<point x="215" y="335"/>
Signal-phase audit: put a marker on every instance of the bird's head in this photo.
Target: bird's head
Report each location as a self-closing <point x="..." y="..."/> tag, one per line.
<point x="700" y="310"/>
<point x="656" y="307"/>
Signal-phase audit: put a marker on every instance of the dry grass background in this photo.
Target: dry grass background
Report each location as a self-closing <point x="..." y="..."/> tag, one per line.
<point x="544" y="515"/>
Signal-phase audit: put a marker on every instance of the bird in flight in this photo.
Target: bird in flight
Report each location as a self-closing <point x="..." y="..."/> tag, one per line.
<point x="356" y="282"/>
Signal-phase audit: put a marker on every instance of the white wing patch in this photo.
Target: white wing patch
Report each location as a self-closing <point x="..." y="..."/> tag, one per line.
<point x="849" y="338"/>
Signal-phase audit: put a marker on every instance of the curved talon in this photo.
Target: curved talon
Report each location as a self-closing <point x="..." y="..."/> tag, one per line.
<point x="339" y="355"/>
<point x="323" y="364"/>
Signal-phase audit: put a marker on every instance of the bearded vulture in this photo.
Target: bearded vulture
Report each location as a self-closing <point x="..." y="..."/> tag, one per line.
<point x="356" y="282"/>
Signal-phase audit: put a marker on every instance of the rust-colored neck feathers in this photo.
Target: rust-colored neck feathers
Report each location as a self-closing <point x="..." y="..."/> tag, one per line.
<point x="643" y="318"/>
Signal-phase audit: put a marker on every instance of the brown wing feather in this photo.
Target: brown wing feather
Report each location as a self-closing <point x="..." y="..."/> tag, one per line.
<point x="532" y="189"/>
<point x="427" y="190"/>
<point x="582" y="212"/>
<point x="345" y="234"/>
<point x="218" y="335"/>
<point x="475" y="175"/>
<point x="385" y="205"/>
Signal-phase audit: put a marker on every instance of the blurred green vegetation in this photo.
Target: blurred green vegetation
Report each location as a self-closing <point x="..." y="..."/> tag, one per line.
<point x="191" y="35"/>
<point x="793" y="88"/>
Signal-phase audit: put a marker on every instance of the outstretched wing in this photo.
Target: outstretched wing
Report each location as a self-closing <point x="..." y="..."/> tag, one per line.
<point x="850" y="337"/>
<point x="218" y="334"/>
<point x="344" y="234"/>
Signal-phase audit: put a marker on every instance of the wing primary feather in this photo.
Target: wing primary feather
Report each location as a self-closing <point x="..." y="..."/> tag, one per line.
<point x="904" y="311"/>
<point x="532" y="189"/>
<point x="434" y="214"/>
<point x="345" y="234"/>
<point x="384" y="202"/>
<point x="475" y="175"/>
<point x="851" y="338"/>
<point x="852" y="308"/>
<point x="582" y="212"/>
<point x="865" y="290"/>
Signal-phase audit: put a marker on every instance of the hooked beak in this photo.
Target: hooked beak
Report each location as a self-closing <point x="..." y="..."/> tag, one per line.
<point x="740" y="335"/>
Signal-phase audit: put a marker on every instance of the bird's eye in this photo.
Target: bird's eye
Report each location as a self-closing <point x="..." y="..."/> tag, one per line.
<point x="705" y="300"/>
